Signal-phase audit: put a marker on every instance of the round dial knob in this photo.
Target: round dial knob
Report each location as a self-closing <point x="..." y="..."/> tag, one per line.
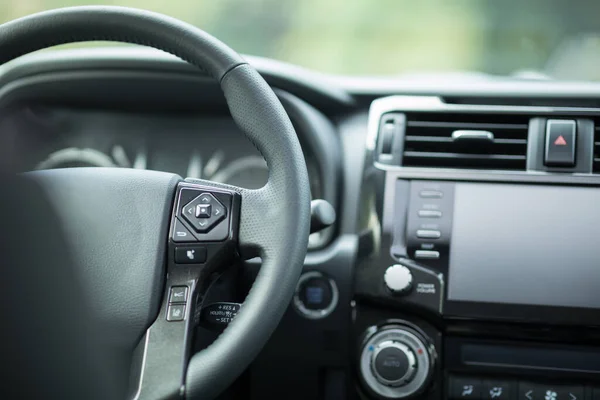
<point x="398" y="279"/>
<point x="396" y="361"/>
<point x="393" y="363"/>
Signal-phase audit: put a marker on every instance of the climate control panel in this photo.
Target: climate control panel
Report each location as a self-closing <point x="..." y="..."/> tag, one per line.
<point x="396" y="361"/>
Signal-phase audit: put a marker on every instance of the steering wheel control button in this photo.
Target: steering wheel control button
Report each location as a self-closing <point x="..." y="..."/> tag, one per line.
<point x="176" y="312"/>
<point x="428" y="234"/>
<point x="178" y="294"/>
<point x="181" y="234"/>
<point x="316" y="295"/>
<point x="204" y="212"/>
<point x="219" y="211"/>
<point x="465" y="388"/>
<point x="398" y="279"/>
<point x="219" y="315"/>
<point x="190" y="254"/>
<point x="561" y="137"/>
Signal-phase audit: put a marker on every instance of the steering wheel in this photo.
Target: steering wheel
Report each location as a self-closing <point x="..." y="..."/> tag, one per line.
<point x="146" y="243"/>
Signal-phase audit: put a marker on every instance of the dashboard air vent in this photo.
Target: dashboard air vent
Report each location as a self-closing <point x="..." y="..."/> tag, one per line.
<point x="596" y="165"/>
<point x="475" y="141"/>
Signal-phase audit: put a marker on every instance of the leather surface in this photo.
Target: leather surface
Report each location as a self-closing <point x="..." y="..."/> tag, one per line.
<point x="274" y="220"/>
<point x="118" y="24"/>
<point x="115" y="223"/>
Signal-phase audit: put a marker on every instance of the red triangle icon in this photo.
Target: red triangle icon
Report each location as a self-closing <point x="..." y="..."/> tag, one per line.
<point x="560" y="141"/>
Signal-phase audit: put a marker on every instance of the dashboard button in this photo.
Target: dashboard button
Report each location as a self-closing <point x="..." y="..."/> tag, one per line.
<point x="465" y="388"/>
<point x="190" y="254"/>
<point x="430" y="214"/>
<point x="561" y="138"/>
<point x="498" y="390"/>
<point x="574" y="393"/>
<point x="181" y="233"/>
<point x="428" y="234"/>
<point x="316" y="295"/>
<point x="530" y="391"/>
<point x="431" y="194"/>
<point x="427" y="254"/>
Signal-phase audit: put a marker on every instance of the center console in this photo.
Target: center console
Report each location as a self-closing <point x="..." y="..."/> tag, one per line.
<point x="479" y="272"/>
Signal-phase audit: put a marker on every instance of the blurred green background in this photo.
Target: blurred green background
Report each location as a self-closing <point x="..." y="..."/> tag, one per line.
<point x="536" y="38"/>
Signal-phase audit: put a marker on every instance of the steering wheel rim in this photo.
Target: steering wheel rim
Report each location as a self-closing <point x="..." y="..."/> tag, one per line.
<point x="283" y="204"/>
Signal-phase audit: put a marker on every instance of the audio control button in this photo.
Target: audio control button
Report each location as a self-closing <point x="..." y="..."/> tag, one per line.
<point x="427" y="254"/>
<point x="430" y="214"/>
<point x="428" y="234"/>
<point x="431" y="194"/>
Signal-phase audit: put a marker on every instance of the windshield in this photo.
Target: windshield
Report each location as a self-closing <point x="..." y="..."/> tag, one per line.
<point x="536" y="38"/>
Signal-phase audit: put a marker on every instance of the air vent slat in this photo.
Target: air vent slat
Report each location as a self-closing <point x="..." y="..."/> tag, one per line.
<point x="429" y="141"/>
<point x="436" y="139"/>
<point x="463" y="125"/>
<point x="408" y="154"/>
<point x="511" y="141"/>
<point x="596" y="163"/>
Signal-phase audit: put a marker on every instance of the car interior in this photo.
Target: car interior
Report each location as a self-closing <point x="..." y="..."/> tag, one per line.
<point x="185" y="222"/>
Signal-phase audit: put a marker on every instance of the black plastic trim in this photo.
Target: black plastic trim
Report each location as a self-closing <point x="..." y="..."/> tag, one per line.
<point x="312" y="87"/>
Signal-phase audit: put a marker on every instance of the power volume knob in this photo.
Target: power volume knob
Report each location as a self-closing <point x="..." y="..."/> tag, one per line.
<point x="398" y="279"/>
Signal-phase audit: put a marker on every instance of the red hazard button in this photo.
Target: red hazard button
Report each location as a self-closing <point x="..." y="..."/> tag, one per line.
<point x="560" y="141"/>
<point x="561" y="136"/>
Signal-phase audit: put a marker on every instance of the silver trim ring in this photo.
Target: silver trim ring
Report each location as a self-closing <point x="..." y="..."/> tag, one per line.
<point x="424" y="362"/>
<point x="315" y="314"/>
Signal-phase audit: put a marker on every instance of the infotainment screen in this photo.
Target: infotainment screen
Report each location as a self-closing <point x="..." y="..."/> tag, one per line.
<point x="529" y="245"/>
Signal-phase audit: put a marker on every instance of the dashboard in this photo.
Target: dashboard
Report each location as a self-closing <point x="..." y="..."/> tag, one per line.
<point x="463" y="264"/>
<point x="195" y="146"/>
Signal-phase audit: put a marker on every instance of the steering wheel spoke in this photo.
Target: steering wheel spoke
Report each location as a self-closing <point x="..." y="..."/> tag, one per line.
<point x="202" y="241"/>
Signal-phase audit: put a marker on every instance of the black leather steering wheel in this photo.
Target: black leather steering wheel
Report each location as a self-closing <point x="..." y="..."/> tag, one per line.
<point x="119" y="223"/>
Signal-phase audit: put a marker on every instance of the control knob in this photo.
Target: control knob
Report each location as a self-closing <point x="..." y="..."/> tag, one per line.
<point x="393" y="363"/>
<point x="396" y="361"/>
<point x="398" y="279"/>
